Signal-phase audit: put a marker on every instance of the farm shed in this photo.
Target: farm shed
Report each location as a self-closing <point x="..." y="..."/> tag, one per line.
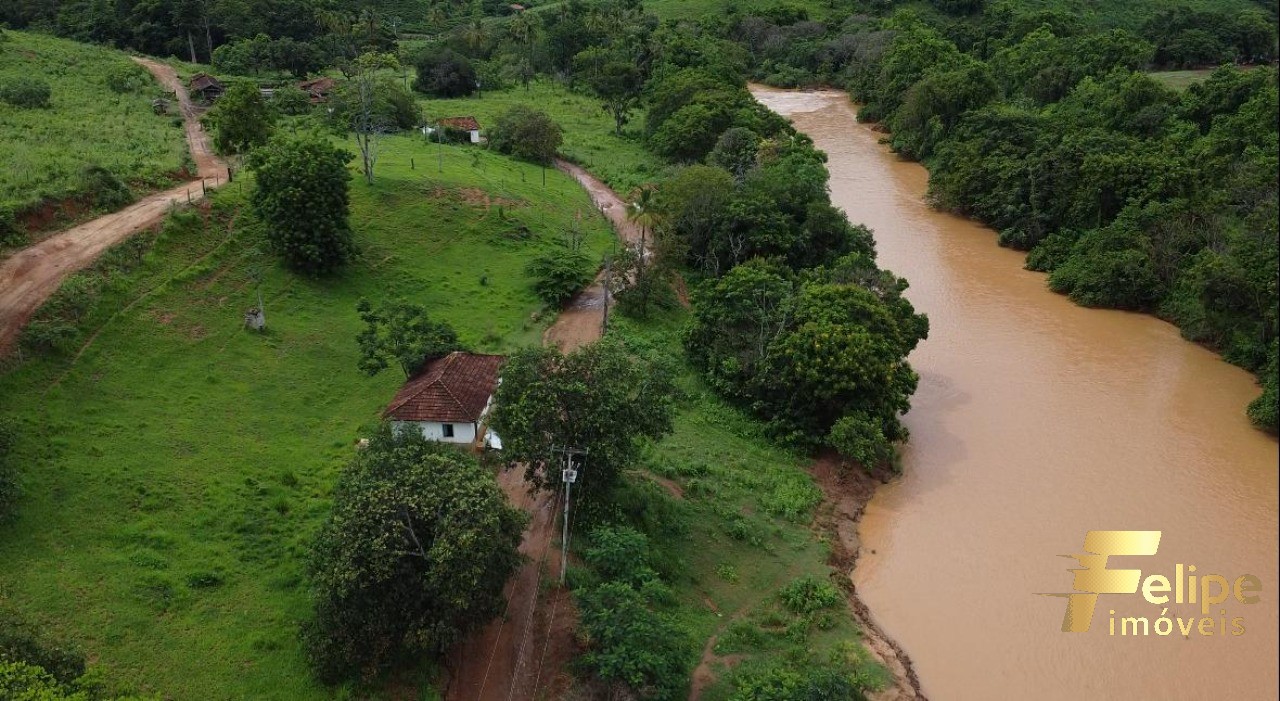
<point x="468" y="125"/>
<point x="449" y="399"/>
<point x="205" y="87"/>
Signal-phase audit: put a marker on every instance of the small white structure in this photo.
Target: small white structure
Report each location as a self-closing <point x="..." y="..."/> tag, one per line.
<point x="463" y="124"/>
<point x="449" y="399"/>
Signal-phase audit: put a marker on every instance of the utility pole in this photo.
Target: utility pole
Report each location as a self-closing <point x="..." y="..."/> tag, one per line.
<point x="568" y="475"/>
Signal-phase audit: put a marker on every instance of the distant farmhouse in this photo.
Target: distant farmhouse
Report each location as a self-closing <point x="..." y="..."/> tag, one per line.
<point x="467" y="125"/>
<point x="449" y="399"/>
<point x="318" y="90"/>
<point x="205" y="87"/>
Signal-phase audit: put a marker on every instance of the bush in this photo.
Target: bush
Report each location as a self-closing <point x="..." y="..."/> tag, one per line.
<point x="27" y="93"/>
<point x="789" y="682"/>
<point x="809" y="594"/>
<point x="444" y="73"/>
<point x="621" y="554"/>
<point x="559" y="276"/>
<point x="11" y="233"/>
<point x="128" y="77"/>
<point x="631" y="645"/>
<point x="526" y="133"/>
<point x="104" y="189"/>
<point x="861" y="439"/>
<point x="22" y="642"/>
<point x="1264" y="411"/>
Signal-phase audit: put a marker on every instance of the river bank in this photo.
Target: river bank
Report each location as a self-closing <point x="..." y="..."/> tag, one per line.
<point x="1037" y="420"/>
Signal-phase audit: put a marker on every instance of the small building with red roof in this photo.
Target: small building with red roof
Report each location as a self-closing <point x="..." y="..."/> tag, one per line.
<point x="449" y="398"/>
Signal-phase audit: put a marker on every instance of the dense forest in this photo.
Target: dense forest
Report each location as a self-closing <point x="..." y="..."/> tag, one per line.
<point x="1051" y="130"/>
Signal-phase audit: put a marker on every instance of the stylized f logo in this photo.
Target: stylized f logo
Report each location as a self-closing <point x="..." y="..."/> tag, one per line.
<point x="1095" y="578"/>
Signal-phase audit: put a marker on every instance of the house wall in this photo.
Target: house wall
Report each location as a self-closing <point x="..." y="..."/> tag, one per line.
<point x="434" y="431"/>
<point x="475" y="136"/>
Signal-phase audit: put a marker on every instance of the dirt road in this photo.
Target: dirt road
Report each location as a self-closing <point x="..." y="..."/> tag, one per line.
<point x="28" y="277"/>
<point x="581" y="321"/>
<point x="523" y="655"/>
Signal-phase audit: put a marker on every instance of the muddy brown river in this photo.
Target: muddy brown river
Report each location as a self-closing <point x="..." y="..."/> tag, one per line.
<point x="1036" y="421"/>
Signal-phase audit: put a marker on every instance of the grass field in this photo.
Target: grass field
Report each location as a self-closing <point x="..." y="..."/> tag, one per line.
<point x="1181" y="80"/>
<point x="43" y="151"/>
<point x="176" y="471"/>
<point x="622" y="162"/>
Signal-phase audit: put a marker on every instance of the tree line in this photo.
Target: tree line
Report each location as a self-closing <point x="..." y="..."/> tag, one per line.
<point x="1130" y="194"/>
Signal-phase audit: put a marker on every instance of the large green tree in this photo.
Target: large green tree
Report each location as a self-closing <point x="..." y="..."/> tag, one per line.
<point x="820" y="355"/>
<point x="403" y="332"/>
<point x="414" y="555"/>
<point x="242" y="119"/>
<point x="600" y="398"/>
<point x="301" y="195"/>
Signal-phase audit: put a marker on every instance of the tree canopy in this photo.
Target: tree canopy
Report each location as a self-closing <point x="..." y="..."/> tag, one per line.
<point x="415" y="554"/>
<point x="600" y="398"/>
<point x="301" y="196"/>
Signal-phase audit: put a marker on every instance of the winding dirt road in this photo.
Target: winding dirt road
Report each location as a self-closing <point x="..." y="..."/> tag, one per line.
<point x="523" y="655"/>
<point x="580" y="322"/>
<point x="29" y="276"/>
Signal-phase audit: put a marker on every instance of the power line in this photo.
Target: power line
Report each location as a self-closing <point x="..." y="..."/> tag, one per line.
<point x="533" y="606"/>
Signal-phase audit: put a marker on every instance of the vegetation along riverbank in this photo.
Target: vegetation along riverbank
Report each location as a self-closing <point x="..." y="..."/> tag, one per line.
<point x="203" y="493"/>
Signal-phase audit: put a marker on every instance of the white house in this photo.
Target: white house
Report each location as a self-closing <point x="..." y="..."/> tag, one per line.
<point x="449" y="399"/>
<point x="469" y="125"/>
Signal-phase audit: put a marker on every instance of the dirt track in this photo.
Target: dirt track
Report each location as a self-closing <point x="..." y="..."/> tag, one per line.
<point x="581" y="321"/>
<point x="29" y="276"/>
<point x="523" y="655"/>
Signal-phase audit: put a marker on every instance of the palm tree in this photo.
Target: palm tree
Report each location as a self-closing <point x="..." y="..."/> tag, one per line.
<point x="642" y="210"/>
<point x="475" y="33"/>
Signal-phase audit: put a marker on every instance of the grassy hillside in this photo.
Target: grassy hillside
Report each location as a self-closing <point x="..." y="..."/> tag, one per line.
<point x="623" y="163"/>
<point x="44" y="151"/>
<point x="175" y="472"/>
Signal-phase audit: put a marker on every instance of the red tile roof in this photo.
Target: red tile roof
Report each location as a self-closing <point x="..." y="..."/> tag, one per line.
<point x="318" y="86"/>
<point x="454" y="388"/>
<point x="463" y="123"/>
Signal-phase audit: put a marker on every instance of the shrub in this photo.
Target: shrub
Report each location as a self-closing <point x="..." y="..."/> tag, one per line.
<point x="809" y="594"/>
<point x="22" y="642"/>
<point x="631" y="645"/>
<point x="559" y="276"/>
<point x="11" y="233"/>
<point x="526" y="133"/>
<point x="127" y="77"/>
<point x="620" y="553"/>
<point x="1264" y="411"/>
<point x="27" y="93"/>
<point x="860" y="439"/>
<point x="444" y="73"/>
<point x="104" y="188"/>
